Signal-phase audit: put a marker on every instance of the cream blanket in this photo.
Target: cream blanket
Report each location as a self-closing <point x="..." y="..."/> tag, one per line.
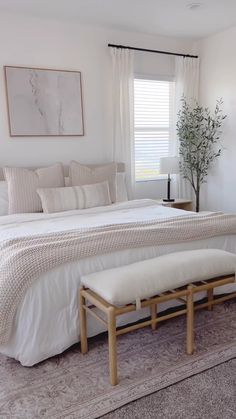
<point x="23" y="260"/>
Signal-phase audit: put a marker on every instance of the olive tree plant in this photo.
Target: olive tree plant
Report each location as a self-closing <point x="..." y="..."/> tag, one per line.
<point x="199" y="133"/>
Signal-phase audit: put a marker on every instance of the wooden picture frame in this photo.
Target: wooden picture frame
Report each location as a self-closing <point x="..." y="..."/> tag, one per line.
<point x="44" y="102"/>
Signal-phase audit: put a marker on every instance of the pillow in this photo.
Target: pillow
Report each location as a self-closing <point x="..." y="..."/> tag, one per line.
<point x="74" y="197"/>
<point x="23" y="185"/>
<point x="83" y="175"/>
<point x="3" y="198"/>
<point x="121" y="192"/>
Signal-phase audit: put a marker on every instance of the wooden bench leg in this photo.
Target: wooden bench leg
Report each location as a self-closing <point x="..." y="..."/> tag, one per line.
<point x="112" y="346"/>
<point x="210" y="297"/>
<point x="83" y="324"/>
<point x="190" y="321"/>
<point x="153" y="312"/>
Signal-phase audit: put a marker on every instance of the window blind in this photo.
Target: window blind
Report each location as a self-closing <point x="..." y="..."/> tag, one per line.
<point x="153" y="120"/>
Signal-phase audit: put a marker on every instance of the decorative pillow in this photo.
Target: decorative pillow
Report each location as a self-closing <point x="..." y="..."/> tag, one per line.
<point x="3" y="198"/>
<point x="23" y="185"/>
<point x="83" y="175"/>
<point x="74" y="197"/>
<point x="121" y="193"/>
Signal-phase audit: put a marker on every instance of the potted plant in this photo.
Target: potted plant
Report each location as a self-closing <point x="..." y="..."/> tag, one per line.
<point x="199" y="134"/>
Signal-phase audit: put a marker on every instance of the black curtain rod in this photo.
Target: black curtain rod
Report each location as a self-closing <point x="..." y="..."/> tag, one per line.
<point x="153" y="50"/>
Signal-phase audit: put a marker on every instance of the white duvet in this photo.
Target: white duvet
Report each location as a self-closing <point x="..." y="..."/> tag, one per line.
<point x="46" y="322"/>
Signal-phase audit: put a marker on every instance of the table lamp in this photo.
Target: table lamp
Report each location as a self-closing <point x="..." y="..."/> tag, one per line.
<point x="168" y="166"/>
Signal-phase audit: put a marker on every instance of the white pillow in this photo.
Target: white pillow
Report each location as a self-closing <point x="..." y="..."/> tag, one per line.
<point x="74" y="197"/>
<point x="84" y="175"/>
<point x="3" y="198"/>
<point x="121" y="192"/>
<point x="23" y="183"/>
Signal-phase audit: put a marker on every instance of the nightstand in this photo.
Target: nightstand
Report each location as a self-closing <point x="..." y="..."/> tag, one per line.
<point x="183" y="204"/>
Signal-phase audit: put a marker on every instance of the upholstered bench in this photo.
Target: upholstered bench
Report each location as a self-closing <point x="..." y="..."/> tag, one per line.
<point x="175" y="276"/>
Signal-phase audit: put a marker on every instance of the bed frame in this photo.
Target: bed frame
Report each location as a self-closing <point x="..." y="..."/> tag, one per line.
<point x="120" y="168"/>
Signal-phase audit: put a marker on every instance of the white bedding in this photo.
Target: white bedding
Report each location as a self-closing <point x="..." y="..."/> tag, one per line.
<point x="46" y="322"/>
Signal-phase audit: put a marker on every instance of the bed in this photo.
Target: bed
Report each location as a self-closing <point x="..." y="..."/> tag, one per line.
<point x="46" y="321"/>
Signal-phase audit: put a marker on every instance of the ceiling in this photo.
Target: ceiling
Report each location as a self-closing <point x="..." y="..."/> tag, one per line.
<point x="163" y="17"/>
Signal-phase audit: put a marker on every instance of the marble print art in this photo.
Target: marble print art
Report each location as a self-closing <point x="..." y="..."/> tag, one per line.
<point x="44" y="102"/>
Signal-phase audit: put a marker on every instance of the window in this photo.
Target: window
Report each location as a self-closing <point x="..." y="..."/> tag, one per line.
<point x="153" y="122"/>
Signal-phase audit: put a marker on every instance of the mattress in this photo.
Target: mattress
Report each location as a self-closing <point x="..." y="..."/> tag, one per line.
<point x="47" y="321"/>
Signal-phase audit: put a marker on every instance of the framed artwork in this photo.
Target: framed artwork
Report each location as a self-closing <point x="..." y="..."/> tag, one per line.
<point x="44" y="102"/>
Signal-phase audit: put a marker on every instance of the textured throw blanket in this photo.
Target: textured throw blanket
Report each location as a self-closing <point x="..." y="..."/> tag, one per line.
<point x="23" y="260"/>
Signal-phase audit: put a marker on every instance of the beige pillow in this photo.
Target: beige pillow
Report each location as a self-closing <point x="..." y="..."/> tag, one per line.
<point x="74" y="197"/>
<point x="83" y="175"/>
<point x="23" y="185"/>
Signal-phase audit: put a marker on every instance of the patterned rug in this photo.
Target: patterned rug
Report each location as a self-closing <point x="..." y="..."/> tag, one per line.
<point x="73" y="386"/>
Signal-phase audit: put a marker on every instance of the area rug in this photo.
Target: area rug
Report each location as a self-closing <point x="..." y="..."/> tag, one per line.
<point x="74" y="386"/>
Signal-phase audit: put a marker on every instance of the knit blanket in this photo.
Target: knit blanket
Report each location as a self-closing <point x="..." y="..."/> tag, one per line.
<point x="23" y="260"/>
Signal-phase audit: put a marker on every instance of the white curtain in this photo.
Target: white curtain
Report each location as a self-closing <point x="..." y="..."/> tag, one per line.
<point x="123" y="112"/>
<point x="187" y="84"/>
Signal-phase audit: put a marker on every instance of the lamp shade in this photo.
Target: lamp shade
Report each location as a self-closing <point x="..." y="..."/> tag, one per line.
<point x="169" y="165"/>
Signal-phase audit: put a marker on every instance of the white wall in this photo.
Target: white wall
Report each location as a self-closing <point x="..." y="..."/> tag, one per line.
<point x="43" y="43"/>
<point x="218" y="79"/>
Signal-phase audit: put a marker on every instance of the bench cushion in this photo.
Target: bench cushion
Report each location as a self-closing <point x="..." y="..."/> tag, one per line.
<point x="130" y="283"/>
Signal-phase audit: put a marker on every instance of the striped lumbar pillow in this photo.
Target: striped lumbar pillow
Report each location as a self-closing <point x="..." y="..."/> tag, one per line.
<point x="74" y="197"/>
